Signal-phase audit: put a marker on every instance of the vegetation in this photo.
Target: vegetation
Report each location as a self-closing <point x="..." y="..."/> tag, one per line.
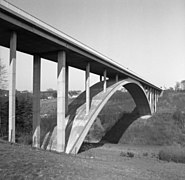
<point x="23" y="116"/>
<point x="173" y="153"/>
<point x="166" y="127"/>
<point x="127" y="154"/>
<point x="3" y="76"/>
<point x="118" y="122"/>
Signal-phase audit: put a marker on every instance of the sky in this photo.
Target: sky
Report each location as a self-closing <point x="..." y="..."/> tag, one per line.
<point x="145" y="36"/>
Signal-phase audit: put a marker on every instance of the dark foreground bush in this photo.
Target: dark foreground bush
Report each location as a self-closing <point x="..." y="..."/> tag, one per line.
<point x="173" y="153"/>
<point x="24" y="138"/>
<point x="127" y="154"/>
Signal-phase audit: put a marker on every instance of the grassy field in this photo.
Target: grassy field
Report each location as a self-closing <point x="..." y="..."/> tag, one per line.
<point x="102" y="163"/>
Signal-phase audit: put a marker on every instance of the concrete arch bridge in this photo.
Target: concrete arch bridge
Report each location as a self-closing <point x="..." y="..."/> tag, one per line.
<point x="19" y="31"/>
<point x="78" y="122"/>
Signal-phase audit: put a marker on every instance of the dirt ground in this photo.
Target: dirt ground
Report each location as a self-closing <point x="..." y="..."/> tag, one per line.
<point x="104" y="162"/>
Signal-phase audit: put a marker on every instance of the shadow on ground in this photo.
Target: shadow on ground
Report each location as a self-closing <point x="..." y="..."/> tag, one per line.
<point x="116" y="132"/>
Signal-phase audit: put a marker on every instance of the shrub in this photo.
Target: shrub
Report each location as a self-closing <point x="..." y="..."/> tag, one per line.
<point x="179" y="118"/>
<point x="127" y="154"/>
<point x="175" y="154"/>
<point x="25" y="139"/>
<point x="145" y="154"/>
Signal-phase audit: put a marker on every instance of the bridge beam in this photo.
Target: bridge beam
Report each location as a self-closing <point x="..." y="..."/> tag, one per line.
<point x="12" y="86"/>
<point x="61" y="102"/>
<point x="87" y="87"/>
<point x="36" y="101"/>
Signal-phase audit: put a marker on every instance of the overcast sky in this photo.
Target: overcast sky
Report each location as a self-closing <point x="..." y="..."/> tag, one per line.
<point x="146" y="36"/>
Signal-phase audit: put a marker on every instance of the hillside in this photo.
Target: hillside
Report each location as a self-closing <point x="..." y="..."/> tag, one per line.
<point x="165" y="127"/>
<point x="118" y="122"/>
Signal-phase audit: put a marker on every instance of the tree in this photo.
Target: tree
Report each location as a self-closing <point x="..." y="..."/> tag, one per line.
<point x="177" y="86"/>
<point x="3" y="80"/>
<point x="183" y="85"/>
<point x="55" y="94"/>
<point x="3" y="76"/>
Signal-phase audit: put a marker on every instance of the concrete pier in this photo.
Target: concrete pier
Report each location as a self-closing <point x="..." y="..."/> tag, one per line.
<point x="87" y="87"/>
<point x="36" y="101"/>
<point x="104" y="80"/>
<point x="67" y="88"/>
<point x="61" y="102"/>
<point x="12" y="86"/>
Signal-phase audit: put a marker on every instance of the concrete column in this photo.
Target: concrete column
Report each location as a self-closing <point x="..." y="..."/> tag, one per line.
<point x="87" y="88"/>
<point x="153" y="101"/>
<point x="67" y="88"/>
<point x="148" y="93"/>
<point x="12" y="86"/>
<point x="150" y="97"/>
<point x="157" y="96"/>
<point x="155" y="93"/>
<point x="61" y="102"/>
<point x="36" y="101"/>
<point x="100" y="78"/>
<point x="104" y="80"/>
<point x="117" y="78"/>
<point x="146" y="90"/>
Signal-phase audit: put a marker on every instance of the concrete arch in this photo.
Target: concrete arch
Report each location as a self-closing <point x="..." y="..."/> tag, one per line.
<point x="77" y="129"/>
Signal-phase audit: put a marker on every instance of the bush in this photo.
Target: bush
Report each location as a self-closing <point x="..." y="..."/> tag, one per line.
<point x="175" y="154"/>
<point x="179" y="118"/>
<point x="25" y="139"/>
<point x="127" y="154"/>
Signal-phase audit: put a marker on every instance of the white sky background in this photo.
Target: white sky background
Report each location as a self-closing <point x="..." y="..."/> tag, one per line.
<point x="146" y="36"/>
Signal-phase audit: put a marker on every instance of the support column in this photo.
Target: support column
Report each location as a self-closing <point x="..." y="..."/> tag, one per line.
<point x="157" y="96"/>
<point x="12" y="86"/>
<point x="87" y="88"/>
<point x="36" y="102"/>
<point x="61" y="102"/>
<point x="117" y="78"/>
<point x="148" y="93"/>
<point x="150" y="97"/>
<point x="155" y="93"/>
<point x="67" y="88"/>
<point x="100" y="78"/>
<point x="105" y="80"/>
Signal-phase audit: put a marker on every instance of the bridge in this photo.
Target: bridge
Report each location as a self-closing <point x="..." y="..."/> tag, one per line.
<point x="19" y="31"/>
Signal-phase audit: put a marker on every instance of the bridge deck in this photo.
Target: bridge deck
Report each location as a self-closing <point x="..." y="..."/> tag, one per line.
<point x="37" y="37"/>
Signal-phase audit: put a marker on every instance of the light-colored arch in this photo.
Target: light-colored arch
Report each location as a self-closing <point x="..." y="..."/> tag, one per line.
<point x="78" y="127"/>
